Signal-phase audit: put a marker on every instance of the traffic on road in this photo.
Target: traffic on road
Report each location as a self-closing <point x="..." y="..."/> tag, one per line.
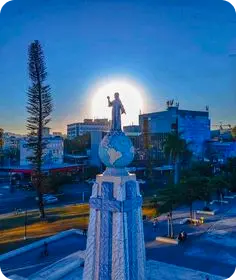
<point x="24" y="196"/>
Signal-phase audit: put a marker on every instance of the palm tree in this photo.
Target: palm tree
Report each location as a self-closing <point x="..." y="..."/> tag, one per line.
<point x="234" y="132"/>
<point x="219" y="184"/>
<point x="206" y="190"/>
<point x="174" y="149"/>
<point x="194" y="188"/>
<point x="170" y="198"/>
<point x="230" y="171"/>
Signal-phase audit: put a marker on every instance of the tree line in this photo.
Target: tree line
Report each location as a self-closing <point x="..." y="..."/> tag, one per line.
<point x="199" y="181"/>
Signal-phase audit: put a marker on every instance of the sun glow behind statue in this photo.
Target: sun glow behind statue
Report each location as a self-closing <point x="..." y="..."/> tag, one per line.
<point x="130" y="94"/>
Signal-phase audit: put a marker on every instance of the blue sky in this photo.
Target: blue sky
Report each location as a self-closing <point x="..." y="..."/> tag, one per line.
<point x="173" y="49"/>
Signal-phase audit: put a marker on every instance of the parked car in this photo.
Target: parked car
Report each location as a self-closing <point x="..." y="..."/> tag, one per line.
<point x="28" y="186"/>
<point x="49" y="199"/>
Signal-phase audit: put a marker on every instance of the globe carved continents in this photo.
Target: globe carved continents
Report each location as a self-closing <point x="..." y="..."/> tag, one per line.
<point x="116" y="150"/>
<point x="114" y="155"/>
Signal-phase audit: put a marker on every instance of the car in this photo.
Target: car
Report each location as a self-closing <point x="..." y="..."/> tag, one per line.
<point x="25" y="186"/>
<point x="29" y="186"/>
<point x="48" y="199"/>
<point x="46" y="196"/>
<point x="51" y="200"/>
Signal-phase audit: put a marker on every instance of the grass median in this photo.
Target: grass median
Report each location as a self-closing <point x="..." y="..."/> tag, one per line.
<point x="12" y="228"/>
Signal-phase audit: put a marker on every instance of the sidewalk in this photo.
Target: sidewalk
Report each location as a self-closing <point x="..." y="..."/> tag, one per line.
<point x="178" y="216"/>
<point x="10" y="214"/>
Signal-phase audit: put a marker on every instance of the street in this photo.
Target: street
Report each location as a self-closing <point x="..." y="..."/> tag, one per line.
<point x="21" y="199"/>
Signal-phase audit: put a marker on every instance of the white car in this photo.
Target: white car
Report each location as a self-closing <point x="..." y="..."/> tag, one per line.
<point x="48" y="199"/>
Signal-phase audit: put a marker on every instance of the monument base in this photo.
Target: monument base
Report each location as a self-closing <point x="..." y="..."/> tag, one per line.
<point x="115" y="242"/>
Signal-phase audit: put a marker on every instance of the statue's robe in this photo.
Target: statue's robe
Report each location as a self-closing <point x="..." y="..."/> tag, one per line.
<point x="117" y="110"/>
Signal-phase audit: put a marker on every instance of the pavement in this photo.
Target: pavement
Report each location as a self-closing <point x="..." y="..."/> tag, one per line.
<point x="29" y="262"/>
<point x="71" y="268"/>
<point x="209" y="248"/>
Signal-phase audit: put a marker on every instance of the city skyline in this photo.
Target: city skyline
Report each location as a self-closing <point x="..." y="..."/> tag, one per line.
<point x="183" y="52"/>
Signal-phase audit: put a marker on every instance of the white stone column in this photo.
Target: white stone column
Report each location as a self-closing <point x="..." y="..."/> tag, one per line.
<point x="115" y="244"/>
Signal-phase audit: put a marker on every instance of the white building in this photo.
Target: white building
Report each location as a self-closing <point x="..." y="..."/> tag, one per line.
<point x="54" y="152"/>
<point x="11" y="141"/>
<point x="89" y="125"/>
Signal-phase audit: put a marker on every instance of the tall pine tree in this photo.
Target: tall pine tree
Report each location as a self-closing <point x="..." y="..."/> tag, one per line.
<point x="39" y="107"/>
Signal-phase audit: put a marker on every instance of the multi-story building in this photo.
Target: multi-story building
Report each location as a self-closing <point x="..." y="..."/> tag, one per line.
<point x="1" y="138"/>
<point x="11" y="141"/>
<point x="193" y="126"/>
<point x="53" y="154"/>
<point x="222" y="144"/>
<point x="9" y="147"/>
<point x="222" y="135"/>
<point x="220" y="151"/>
<point x="57" y="133"/>
<point x="133" y="132"/>
<point x="87" y="126"/>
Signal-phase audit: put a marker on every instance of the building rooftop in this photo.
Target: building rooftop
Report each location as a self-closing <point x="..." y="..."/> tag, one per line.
<point x="180" y="112"/>
<point x="193" y="113"/>
<point x="91" y="122"/>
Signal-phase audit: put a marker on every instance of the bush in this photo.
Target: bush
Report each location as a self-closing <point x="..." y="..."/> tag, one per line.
<point x="53" y="182"/>
<point x="206" y="208"/>
<point x="91" y="172"/>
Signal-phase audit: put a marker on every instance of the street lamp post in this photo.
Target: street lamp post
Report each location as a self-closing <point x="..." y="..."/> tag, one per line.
<point x="25" y="236"/>
<point x="168" y="225"/>
<point x="9" y="166"/>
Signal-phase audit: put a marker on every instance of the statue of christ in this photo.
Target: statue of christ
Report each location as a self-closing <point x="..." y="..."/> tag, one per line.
<point x="117" y="110"/>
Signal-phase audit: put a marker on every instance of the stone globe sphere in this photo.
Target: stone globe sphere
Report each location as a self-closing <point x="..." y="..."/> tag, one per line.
<point x="116" y="150"/>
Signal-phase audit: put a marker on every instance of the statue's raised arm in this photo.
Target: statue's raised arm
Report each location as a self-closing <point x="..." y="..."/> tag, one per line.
<point x="117" y="110"/>
<point x="109" y="101"/>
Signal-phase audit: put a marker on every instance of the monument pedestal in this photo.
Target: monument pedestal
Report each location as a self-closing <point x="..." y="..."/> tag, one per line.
<point x="115" y="242"/>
